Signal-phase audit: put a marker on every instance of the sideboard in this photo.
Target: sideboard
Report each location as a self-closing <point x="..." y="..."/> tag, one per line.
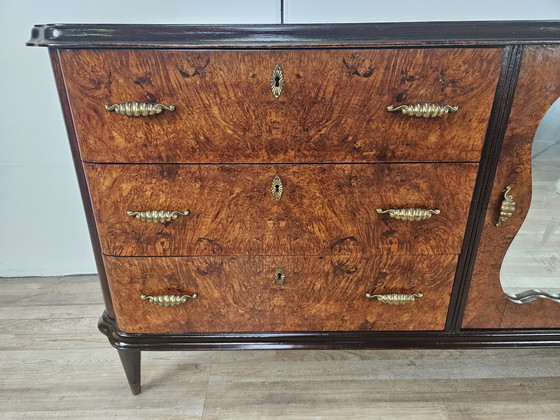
<point x="308" y="186"/>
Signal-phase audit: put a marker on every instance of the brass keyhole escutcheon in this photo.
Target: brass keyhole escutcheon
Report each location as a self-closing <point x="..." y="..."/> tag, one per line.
<point x="279" y="277"/>
<point x="277" y="81"/>
<point x="277" y="188"/>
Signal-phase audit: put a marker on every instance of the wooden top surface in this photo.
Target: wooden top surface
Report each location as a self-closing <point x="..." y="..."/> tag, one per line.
<point x="482" y="33"/>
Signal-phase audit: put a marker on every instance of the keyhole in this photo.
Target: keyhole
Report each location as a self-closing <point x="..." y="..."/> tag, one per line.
<point x="279" y="277"/>
<point x="277" y="79"/>
<point x="276" y="188"/>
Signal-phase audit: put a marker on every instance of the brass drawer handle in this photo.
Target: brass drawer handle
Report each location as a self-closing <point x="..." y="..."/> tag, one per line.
<point x="409" y="214"/>
<point x="168" y="300"/>
<point x="157" y="216"/>
<point x="425" y="109"/>
<point x="138" y="109"/>
<point x="507" y="208"/>
<point x="395" y="298"/>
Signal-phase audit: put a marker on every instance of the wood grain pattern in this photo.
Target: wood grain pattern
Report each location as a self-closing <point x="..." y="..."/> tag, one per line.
<point x="324" y="209"/>
<point x="332" y="108"/>
<point x="503" y="100"/>
<point x="487" y="306"/>
<point x="237" y="294"/>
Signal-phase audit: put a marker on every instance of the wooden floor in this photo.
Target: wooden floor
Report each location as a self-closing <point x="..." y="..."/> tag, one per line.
<point x="55" y="364"/>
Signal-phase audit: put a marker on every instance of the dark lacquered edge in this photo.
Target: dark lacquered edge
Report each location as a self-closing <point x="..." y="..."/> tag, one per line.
<point x="329" y="340"/>
<point x="131" y="362"/>
<point x="296" y="36"/>
<point x="86" y="201"/>
<point x="499" y="117"/>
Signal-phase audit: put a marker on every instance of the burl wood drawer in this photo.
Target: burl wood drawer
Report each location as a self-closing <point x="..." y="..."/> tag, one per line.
<point x="332" y="108"/>
<point x="236" y="294"/>
<point x="323" y="209"/>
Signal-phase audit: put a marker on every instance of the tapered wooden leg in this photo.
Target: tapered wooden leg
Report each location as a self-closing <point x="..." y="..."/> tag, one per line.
<point x="131" y="363"/>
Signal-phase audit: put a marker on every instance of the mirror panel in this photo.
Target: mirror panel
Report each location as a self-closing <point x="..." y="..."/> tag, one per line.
<point x="531" y="267"/>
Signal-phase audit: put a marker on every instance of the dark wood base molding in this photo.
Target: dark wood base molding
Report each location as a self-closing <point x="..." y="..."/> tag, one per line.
<point x="364" y="340"/>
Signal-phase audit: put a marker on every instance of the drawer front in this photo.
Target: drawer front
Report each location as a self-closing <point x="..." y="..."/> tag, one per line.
<point x="332" y="107"/>
<point x="241" y="294"/>
<point x="323" y="209"/>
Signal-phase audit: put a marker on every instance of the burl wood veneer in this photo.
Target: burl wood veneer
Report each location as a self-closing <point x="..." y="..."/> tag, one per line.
<point x="323" y="208"/>
<point x="332" y="107"/>
<point x="487" y="306"/>
<point x="239" y="294"/>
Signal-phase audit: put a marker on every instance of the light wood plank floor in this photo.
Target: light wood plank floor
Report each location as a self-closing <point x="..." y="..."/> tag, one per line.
<point x="55" y="364"/>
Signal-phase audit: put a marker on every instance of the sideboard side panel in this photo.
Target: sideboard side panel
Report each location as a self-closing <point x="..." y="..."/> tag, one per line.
<point x="487" y="306"/>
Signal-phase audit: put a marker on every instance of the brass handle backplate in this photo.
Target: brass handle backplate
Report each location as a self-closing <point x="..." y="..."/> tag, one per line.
<point x="410" y="214"/>
<point x="507" y="208"/>
<point x="395" y="298"/>
<point x="139" y="109"/>
<point x="157" y="216"/>
<point x="425" y="109"/>
<point x="168" y="300"/>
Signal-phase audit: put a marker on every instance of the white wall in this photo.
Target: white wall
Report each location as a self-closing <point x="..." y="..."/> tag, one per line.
<point x="340" y="11"/>
<point x="42" y="224"/>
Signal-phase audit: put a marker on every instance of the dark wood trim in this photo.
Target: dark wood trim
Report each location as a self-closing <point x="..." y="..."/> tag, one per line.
<point x="329" y="340"/>
<point x="297" y="36"/>
<point x="497" y="125"/>
<point x="86" y="201"/>
<point x="131" y="361"/>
